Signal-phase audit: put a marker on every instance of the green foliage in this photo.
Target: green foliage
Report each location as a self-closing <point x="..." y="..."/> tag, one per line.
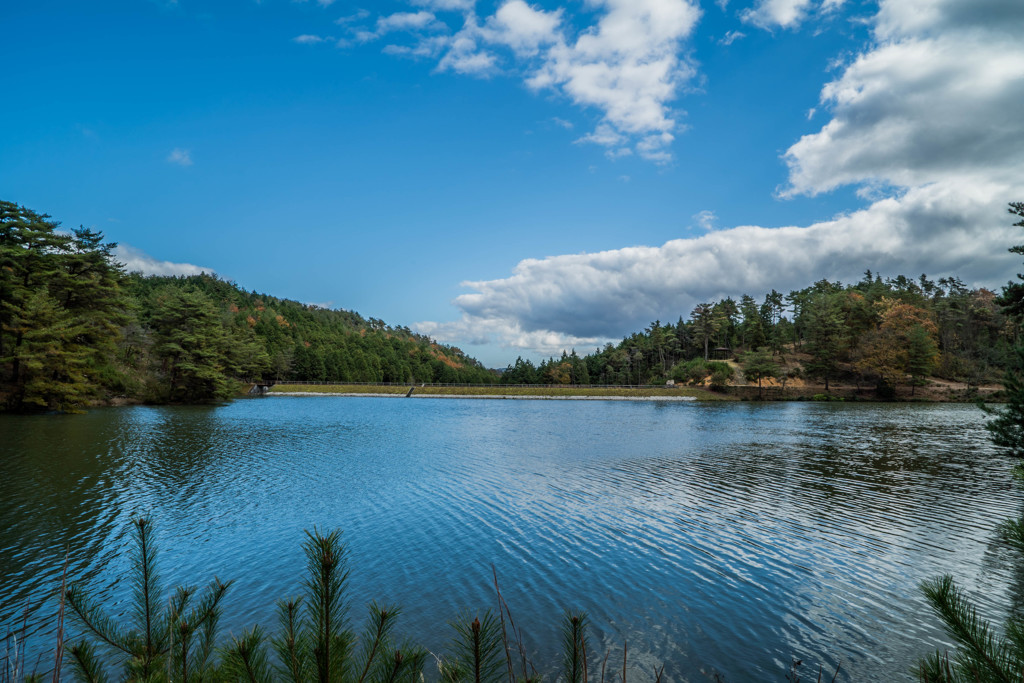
<point x="190" y="346"/>
<point x="263" y="337"/>
<point x="172" y="639"/>
<point x="574" y="648"/>
<point x="1012" y="298"/>
<point x="74" y="328"/>
<point x="61" y="311"/>
<point x="327" y="570"/>
<point x="1006" y="428"/>
<point x="245" y="659"/>
<point x="698" y="371"/>
<point x="922" y="354"/>
<point x="758" y="365"/>
<point x="863" y="331"/>
<point x="165" y="639"/>
<point x="825" y="335"/>
<point x="982" y="656"/>
<point x="705" y="323"/>
<point x="477" y="652"/>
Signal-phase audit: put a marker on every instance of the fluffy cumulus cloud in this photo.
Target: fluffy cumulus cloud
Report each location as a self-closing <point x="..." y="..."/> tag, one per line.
<point x="629" y="66"/>
<point x="138" y="261"/>
<point x="925" y="122"/>
<point x="933" y="101"/>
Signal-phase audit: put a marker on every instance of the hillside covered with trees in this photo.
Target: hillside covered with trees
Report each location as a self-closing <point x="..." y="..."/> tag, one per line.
<point x="74" y="328"/>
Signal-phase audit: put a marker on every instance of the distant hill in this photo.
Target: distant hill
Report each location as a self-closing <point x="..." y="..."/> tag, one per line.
<point x="74" y="329"/>
<point x="304" y="342"/>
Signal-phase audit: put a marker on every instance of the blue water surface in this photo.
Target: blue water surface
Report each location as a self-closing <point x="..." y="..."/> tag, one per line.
<point x="726" y="537"/>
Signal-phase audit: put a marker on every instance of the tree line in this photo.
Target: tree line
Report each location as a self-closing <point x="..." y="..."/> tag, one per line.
<point x="878" y="332"/>
<point x="74" y="328"/>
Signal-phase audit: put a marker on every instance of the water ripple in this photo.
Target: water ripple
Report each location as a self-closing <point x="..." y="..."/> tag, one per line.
<point x="707" y="536"/>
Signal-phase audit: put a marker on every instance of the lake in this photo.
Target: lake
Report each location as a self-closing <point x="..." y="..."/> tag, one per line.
<point x="723" y="537"/>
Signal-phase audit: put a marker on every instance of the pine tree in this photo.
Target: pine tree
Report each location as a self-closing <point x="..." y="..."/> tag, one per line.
<point x="61" y="313"/>
<point x="705" y="325"/>
<point x="921" y="355"/>
<point x="982" y="654"/>
<point x="50" y="365"/>
<point x="189" y="343"/>
<point x="168" y="638"/>
<point x="1012" y="298"/>
<point x="825" y="338"/>
<point x="758" y="365"/>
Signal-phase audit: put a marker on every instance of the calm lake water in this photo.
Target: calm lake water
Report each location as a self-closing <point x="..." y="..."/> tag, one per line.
<point x="724" y="537"/>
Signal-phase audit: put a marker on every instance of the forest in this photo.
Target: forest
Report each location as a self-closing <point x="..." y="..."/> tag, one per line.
<point x="879" y="332"/>
<point x="75" y="329"/>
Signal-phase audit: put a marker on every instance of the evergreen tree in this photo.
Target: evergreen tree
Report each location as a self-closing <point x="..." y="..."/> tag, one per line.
<point x="982" y="654"/>
<point x="921" y="355"/>
<point x="705" y="324"/>
<point x="1012" y="298"/>
<point x="752" y="333"/>
<point x="50" y="365"/>
<point x="189" y="344"/>
<point x="824" y="334"/>
<point x="61" y="311"/>
<point x="759" y="365"/>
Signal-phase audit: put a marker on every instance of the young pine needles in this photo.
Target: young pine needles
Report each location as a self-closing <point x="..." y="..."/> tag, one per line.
<point x="173" y="638"/>
<point x="982" y="656"/>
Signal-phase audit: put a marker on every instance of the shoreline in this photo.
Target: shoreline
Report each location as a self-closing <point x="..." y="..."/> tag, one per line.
<point x="489" y="396"/>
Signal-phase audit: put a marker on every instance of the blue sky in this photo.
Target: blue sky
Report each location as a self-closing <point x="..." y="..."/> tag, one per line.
<point x="518" y="178"/>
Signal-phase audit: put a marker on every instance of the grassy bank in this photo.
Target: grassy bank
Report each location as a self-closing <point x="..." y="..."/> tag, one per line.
<point x="540" y="391"/>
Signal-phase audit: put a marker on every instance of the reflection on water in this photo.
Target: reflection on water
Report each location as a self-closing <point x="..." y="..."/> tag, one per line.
<point x="723" y="536"/>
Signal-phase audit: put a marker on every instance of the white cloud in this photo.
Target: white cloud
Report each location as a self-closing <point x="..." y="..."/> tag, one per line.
<point x="581" y="299"/>
<point x="705" y="219"/>
<point x="465" y="55"/>
<point x="629" y="66"/>
<point x="348" y="19"/>
<point x="932" y="17"/>
<point x="562" y="123"/>
<point x="919" y="108"/>
<point x="425" y="47"/>
<point x="783" y="13"/>
<point x="605" y="135"/>
<point x="137" y="261"/>
<point x="731" y="37"/>
<point x="925" y="123"/>
<point x="411" y="22"/>
<point x="524" y="28"/>
<point x="446" y="5"/>
<point x="179" y="156"/>
<point x="768" y="14"/>
<point x="307" y="39"/>
<point x="406" y="21"/>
